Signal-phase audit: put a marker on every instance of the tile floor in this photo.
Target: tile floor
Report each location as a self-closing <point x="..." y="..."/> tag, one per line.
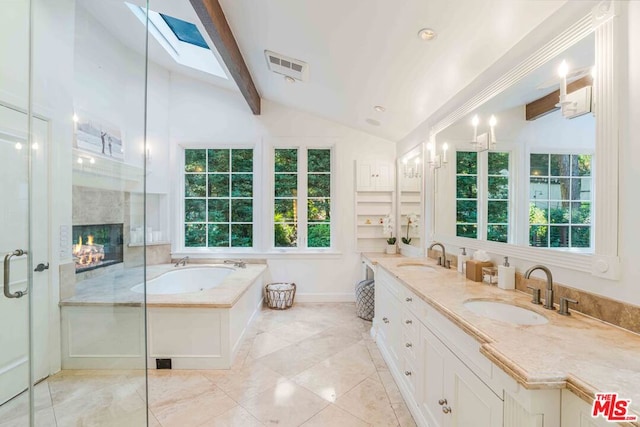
<point x="312" y="365"/>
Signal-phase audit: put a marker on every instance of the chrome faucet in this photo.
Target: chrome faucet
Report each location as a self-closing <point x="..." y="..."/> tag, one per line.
<point x="182" y="261"/>
<point x="548" y="296"/>
<point x="443" y="259"/>
<point x="236" y="263"/>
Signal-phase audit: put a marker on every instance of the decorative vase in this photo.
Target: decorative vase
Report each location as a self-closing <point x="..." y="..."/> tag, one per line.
<point x="391" y="249"/>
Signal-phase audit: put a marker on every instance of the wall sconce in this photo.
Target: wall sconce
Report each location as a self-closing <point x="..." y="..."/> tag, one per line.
<point x="437" y="160"/>
<point x="412" y="169"/>
<point x="485" y="140"/>
<point x="575" y="103"/>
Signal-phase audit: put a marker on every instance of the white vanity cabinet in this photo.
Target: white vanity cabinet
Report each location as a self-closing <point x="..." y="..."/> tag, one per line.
<point x="451" y="394"/>
<point x="445" y="380"/>
<point x="577" y="413"/>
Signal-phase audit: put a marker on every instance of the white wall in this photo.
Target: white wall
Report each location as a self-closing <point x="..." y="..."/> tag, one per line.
<point x="201" y="114"/>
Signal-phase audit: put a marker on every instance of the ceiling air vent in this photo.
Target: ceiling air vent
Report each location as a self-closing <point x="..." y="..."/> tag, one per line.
<point x="286" y="66"/>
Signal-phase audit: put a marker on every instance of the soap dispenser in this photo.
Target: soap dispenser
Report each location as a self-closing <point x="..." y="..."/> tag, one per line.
<point x="506" y="275"/>
<point x="462" y="261"/>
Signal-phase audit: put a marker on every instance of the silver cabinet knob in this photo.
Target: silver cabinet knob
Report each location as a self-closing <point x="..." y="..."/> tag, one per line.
<point x="385" y="320"/>
<point x="442" y="402"/>
<point x="408" y="299"/>
<point x="446" y="409"/>
<point x="407" y="373"/>
<point x="408" y="322"/>
<point x="408" y="345"/>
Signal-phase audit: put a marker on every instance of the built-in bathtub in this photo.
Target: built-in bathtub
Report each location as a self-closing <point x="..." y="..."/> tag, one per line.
<point x="185" y="280"/>
<point x="197" y="316"/>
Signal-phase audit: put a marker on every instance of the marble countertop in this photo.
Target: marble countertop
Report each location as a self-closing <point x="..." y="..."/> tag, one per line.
<point x="578" y="352"/>
<point x="115" y="288"/>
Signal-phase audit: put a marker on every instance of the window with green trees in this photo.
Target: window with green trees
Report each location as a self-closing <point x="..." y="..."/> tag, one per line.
<point x="498" y="196"/>
<point x="302" y="198"/>
<point x="467" y="194"/>
<point x="218" y="198"/>
<point x="486" y="186"/>
<point x="560" y="200"/>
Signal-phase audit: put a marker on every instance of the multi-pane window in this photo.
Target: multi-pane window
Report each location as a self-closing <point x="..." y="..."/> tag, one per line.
<point x="560" y="200"/>
<point x="498" y="196"/>
<point x="302" y="198"/>
<point x="467" y="194"/>
<point x="218" y="198"/>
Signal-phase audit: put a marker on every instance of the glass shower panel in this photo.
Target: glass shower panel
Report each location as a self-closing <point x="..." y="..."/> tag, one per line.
<point x="90" y="79"/>
<point x="16" y="365"/>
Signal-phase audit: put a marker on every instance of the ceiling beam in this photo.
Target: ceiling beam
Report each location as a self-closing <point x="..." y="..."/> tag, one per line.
<point x="543" y="106"/>
<point x="216" y="25"/>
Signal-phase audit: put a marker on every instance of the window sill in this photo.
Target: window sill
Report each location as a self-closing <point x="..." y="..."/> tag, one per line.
<point x="259" y="255"/>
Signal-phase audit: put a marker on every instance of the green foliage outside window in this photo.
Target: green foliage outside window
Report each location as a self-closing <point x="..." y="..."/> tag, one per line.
<point x="467" y="194"/>
<point x="287" y="208"/>
<point x="218" y="198"/>
<point x="560" y="201"/>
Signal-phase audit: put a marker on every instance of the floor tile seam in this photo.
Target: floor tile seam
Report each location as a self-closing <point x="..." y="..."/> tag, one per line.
<point x="320" y="410"/>
<point x="396" y="414"/>
<point x="55" y="417"/>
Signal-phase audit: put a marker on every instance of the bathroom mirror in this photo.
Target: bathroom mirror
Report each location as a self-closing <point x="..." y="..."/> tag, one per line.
<point x="527" y="188"/>
<point x="410" y="207"/>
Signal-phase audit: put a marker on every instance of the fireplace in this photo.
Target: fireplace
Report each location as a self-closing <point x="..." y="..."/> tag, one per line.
<point x="97" y="246"/>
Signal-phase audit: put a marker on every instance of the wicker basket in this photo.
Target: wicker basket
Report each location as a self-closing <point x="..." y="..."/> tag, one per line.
<point x="280" y="296"/>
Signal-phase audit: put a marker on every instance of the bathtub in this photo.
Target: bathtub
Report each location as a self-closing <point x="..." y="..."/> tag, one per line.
<point x="196" y="315"/>
<point x="185" y="280"/>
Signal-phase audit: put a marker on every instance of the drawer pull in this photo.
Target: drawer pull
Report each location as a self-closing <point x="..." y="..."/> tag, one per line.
<point x="408" y="322"/>
<point x="408" y="345"/>
<point x="446" y="409"/>
<point x="385" y="320"/>
<point x="408" y="299"/>
<point x="442" y="402"/>
<point x="407" y="373"/>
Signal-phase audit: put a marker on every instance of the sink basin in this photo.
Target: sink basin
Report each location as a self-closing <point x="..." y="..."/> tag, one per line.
<point x="505" y="312"/>
<point x="415" y="266"/>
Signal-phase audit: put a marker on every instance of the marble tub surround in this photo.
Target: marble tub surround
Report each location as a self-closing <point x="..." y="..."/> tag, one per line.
<point x="578" y="352"/>
<point x="115" y="288"/>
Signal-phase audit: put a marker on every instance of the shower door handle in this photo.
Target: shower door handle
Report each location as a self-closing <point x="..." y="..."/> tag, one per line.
<point x="7" y="271"/>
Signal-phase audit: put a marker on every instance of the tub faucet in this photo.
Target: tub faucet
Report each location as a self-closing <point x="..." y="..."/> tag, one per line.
<point x="182" y="261"/>
<point x="548" y="301"/>
<point x="443" y="259"/>
<point x="236" y="263"/>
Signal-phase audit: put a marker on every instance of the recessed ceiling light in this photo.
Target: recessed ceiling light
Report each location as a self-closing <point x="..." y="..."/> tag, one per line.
<point x="379" y="108"/>
<point x="289" y="79"/>
<point x="427" y="34"/>
<point x="373" y="122"/>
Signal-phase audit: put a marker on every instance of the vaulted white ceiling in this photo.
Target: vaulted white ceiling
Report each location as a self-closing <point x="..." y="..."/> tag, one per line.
<point x="360" y="53"/>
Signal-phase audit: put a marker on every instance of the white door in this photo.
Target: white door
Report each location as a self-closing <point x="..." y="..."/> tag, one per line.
<point x="15" y="193"/>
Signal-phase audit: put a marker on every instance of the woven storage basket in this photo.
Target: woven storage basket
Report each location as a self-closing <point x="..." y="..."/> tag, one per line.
<point x="280" y="296"/>
<point x="365" y="299"/>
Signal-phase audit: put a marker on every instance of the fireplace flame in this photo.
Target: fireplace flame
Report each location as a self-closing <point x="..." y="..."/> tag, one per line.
<point x="88" y="254"/>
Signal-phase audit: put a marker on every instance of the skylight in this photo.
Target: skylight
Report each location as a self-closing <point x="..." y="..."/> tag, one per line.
<point x="185" y="31"/>
<point x="181" y="39"/>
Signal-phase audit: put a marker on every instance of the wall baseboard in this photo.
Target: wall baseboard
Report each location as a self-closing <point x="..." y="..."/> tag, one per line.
<point x="335" y="297"/>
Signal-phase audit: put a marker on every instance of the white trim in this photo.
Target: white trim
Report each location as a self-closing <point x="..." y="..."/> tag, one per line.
<point x="605" y="262"/>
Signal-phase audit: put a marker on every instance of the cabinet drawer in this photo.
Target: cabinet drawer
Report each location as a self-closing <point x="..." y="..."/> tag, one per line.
<point x="410" y="325"/>
<point x="409" y="375"/>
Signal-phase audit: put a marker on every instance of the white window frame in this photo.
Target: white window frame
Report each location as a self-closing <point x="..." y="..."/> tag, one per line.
<point x="257" y="217"/>
<point x="302" y="145"/>
<point x="482" y="197"/>
<point x="523" y="235"/>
